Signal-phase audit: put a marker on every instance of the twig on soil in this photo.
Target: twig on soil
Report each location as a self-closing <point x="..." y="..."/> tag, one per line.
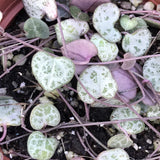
<point x="14" y="139"/>
<point x="83" y="144"/>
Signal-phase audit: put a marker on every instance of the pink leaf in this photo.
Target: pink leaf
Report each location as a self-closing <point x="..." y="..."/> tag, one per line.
<point x="87" y="5"/>
<point x="128" y="64"/>
<point x="126" y="84"/>
<point x="80" y="51"/>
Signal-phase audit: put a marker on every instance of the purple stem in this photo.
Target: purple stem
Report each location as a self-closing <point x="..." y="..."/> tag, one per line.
<point x="4" y="132"/>
<point x="62" y="36"/>
<point x="76" y="125"/>
<point x="87" y="111"/>
<point x="86" y="149"/>
<point x="124" y="60"/>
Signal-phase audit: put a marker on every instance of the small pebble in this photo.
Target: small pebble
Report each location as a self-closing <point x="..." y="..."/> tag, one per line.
<point x="126" y="5"/>
<point x="136" y="2"/>
<point x="71" y="118"/>
<point x="149" y="141"/>
<point x="135" y="146"/>
<point x="73" y="132"/>
<point x="146" y="151"/>
<point x="15" y="85"/>
<point x="148" y="6"/>
<point x="22" y="85"/>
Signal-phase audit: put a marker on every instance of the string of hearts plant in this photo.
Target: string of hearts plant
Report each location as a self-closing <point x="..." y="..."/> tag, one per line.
<point x="98" y="51"/>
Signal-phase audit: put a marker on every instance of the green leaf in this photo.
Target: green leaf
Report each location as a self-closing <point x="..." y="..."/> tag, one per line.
<point x="119" y="141"/>
<point x="104" y="18"/>
<point x="52" y="72"/>
<point x="127" y="23"/>
<point x="137" y="43"/>
<point x="131" y="127"/>
<point x="151" y="70"/>
<point x="106" y="51"/>
<point x="99" y="83"/>
<point x="40" y="147"/>
<point x="113" y="154"/>
<point x="72" y="30"/>
<point x="44" y="114"/>
<point x="34" y="27"/>
<point x="78" y="14"/>
<point x="10" y="111"/>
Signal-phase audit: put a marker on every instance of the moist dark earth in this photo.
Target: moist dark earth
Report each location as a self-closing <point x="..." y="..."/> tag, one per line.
<point x="69" y="140"/>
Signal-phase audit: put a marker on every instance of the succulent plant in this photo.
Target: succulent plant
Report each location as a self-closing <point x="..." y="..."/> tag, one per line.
<point x="44" y="114"/>
<point x="113" y="154"/>
<point x="99" y="83"/>
<point x="52" y="72"/>
<point x="39" y="8"/>
<point x="131" y="127"/>
<point x="137" y="43"/>
<point x="72" y="30"/>
<point x="127" y="23"/>
<point x="104" y="19"/>
<point x="35" y="27"/>
<point x="10" y="111"/>
<point x="119" y="141"/>
<point x="151" y="70"/>
<point x="106" y="51"/>
<point x="40" y="147"/>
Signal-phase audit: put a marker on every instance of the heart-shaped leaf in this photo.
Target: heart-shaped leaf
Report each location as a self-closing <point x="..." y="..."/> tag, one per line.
<point x="127" y="23"/>
<point x="131" y="127"/>
<point x="141" y="24"/>
<point x="126" y="84"/>
<point x="78" y="14"/>
<point x="52" y="72"/>
<point x="119" y="141"/>
<point x="86" y="50"/>
<point x="113" y="154"/>
<point x="35" y="27"/>
<point x="137" y="43"/>
<point x="151" y="70"/>
<point x="40" y="147"/>
<point x="39" y="8"/>
<point x="106" y="51"/>
<point x="99" y="83"/>
<point x="10" y="111"/>
<point x="104" y="18"/>
<point x="44" y="114"/>
<point x="72" y="30"/>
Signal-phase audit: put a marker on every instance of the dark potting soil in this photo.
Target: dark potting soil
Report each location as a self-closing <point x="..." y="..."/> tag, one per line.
<point x="143" y="143"/>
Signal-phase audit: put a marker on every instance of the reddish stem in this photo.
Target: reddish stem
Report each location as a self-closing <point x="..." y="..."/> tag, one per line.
<point x="4" y="132"/>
